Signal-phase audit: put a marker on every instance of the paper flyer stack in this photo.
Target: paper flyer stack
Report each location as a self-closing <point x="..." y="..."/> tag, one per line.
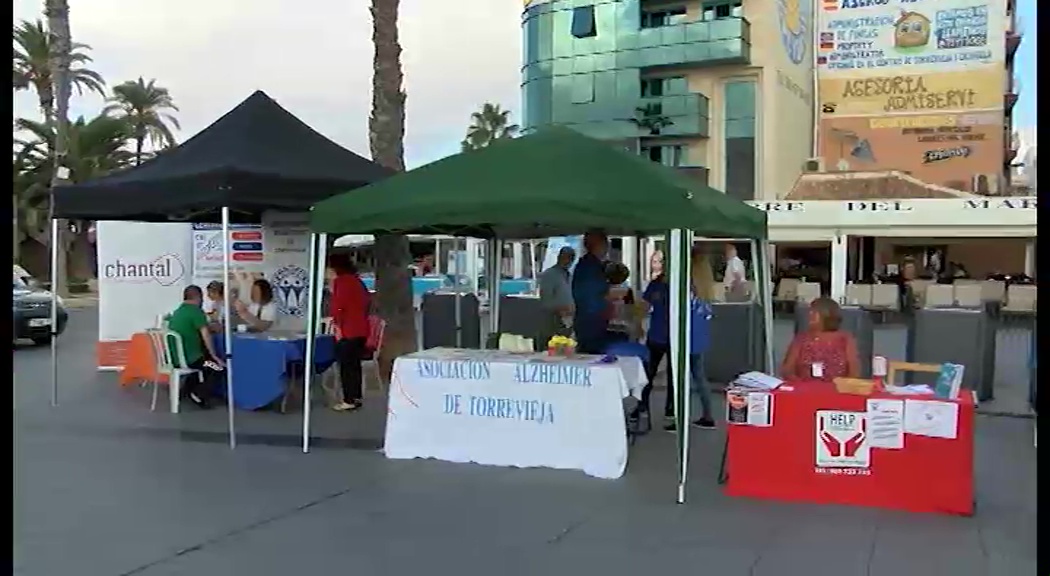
<point x="749" y="399"/>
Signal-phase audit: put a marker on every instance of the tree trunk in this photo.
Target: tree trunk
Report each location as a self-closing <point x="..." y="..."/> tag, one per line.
<point x="386" y="133"/>
<point x="57" y="12"/>
<point x="138" y="149"/>
<point x="81" y="263"/>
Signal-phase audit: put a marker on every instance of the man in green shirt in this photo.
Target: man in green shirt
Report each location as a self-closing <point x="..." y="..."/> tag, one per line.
<point x="191" y="324"/>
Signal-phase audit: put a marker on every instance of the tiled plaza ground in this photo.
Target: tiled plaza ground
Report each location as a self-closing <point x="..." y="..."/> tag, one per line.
<point x="104" y="487"/>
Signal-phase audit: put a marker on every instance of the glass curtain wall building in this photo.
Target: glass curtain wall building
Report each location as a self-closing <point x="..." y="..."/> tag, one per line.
<point x="681" y="82"/>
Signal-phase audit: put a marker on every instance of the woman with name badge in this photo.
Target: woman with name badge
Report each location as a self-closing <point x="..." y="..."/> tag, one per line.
<point x="822" y="351"/>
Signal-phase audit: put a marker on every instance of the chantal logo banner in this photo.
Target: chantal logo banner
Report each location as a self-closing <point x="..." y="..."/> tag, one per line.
<point x="166" y="270"/>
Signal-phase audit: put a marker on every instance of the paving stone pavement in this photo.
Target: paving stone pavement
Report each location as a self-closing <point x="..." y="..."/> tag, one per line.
<point x="104" y="487"/>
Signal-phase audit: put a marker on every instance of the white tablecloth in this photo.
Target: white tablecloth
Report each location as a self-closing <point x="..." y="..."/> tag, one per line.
<point x="502" y="409"/>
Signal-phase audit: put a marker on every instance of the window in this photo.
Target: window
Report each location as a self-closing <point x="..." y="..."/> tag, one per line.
<point x="733" y="9"/>
<point x="652" y="87"/>
<point x="666" y="155"/>
<point x="582" y="88"/>
<point x="740" y="98"/>
<point x="667" y="86"/>
<point x="583" y="22"/>
<point x="663" y="17"/>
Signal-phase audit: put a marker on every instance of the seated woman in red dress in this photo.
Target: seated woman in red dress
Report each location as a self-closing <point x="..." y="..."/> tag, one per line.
<point x="822" y="351"/>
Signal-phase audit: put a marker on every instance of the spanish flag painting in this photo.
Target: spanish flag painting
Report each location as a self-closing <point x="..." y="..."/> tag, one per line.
<point x="831" y="5"/>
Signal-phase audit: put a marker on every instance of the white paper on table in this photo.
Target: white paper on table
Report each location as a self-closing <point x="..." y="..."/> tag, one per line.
<point x="909" y="390"/>
<point x="885" y="423"/>
<point x="931" y="418"/>
<point x="760" y="409"/>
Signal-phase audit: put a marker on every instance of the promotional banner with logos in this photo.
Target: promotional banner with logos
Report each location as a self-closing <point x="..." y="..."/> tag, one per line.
<point x="914" y="86"/>
<point x="960" y="151"/>
<point x="142" y="270"/>
<point x="247" y="251"/>
<point x="287" y="239"/>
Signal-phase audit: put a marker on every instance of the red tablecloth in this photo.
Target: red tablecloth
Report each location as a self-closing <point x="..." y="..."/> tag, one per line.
<point x="779" y="462"/>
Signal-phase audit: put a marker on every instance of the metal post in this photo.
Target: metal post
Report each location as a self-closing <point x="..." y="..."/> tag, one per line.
<point x="227" y="328"/>
<point x="765" y="293"/>
<point x="318" y="249"/>
<point x="678" y="261"/>
<point x="493" y="261"/>
<point x="54" y="309"/>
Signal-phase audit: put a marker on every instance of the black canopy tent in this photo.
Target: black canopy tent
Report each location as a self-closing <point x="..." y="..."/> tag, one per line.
<point x="256" y="157"/>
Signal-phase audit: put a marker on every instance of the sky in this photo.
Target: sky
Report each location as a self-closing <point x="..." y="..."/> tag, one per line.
<point x="211" y="54"/>
<point x="1025" y="64"/>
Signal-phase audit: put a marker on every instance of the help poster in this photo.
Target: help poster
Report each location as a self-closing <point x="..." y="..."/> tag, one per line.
<point x="842" y="440"/>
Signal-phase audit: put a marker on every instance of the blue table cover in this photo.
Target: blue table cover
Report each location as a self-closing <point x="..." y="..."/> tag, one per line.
<point x="636" y="349"/>
<point x="260" y="365"/>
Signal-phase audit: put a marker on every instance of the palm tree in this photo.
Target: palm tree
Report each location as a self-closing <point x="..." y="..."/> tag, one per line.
<point x="650" y="117"/>
<point x="386" y="135"/>
<point x="144" y="105"/>
<point x="60" y="43"/>
<point x="488" y="125"/>
<point x="96" y="147"/>
<point x="32" y="65"/>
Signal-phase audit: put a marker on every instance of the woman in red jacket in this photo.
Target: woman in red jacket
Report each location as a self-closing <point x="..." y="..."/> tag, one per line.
<point x="349" y="308"/>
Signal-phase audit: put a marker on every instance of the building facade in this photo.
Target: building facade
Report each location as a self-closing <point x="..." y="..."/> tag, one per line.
<point x="722" y="89"/>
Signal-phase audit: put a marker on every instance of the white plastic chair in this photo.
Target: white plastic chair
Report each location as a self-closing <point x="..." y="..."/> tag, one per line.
<point x="377" y="335"/>
<point x="885" y="296"/>
<point x="939" y="296"/>
<point x="858" y="294"/>
<point x="968" y="295"/>
<point x="807" y="292"/>
<point x="993" y="291"/>
<point x="166" y="355"/>
<point x="1021" y="298"/>
<point x="787" y="290"/>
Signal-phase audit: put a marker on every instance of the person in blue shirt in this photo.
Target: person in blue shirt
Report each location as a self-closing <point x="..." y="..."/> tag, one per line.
<point x="658" y="340"/>
<point x="590" y="292"/>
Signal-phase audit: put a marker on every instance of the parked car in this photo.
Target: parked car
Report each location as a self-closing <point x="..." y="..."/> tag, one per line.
<point x="31" y="313"/>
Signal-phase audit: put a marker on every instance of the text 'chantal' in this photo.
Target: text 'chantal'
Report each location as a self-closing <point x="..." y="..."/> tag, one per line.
<point x="543" y="373"/>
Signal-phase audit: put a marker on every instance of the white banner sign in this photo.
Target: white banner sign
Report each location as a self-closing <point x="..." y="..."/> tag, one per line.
<point x="495" y="408"/>
<point x="142" y="269"/>
<point x="247" y="251"/>
<point x="287" y="240"/>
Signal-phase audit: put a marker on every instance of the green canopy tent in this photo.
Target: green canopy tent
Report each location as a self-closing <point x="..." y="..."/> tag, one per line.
<point x="553" y="182"/>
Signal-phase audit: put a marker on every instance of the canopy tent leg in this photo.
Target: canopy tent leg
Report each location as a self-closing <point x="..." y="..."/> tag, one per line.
<point x="227" y="330"/>
<point x="493" y="261"/>
<point x="437" y="256"/>
<point x="458" y="309"/>
<point x="839" y="265"/>
<point x="54" y="311"/>
<point x="761" y="251"/>
<point x="470" y="264"/>
<point x="517" y="259"/>
<point x="679" y="256"/>
<point x="318" y="249"/>
<point x="533" y="264"/>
